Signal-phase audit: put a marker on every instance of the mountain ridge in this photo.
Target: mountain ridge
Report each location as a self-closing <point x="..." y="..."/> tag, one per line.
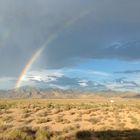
<point x="56" y="93"/>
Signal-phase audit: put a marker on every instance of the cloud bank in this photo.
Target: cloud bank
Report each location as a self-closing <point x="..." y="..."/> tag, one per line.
<point x="111" y="30"/>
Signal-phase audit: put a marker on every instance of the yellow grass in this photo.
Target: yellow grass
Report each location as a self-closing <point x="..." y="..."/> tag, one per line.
<point x="69" y="119"/>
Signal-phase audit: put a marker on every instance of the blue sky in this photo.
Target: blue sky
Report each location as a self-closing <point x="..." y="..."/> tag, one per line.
<point x="97" y="45"/>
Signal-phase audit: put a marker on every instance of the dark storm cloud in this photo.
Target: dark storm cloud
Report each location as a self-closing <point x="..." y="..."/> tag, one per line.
<point x="74" y="83"/>
<point x="66" y="81"/>
<point x="63" y="82"/>
<point x="126" y="82"/>
<point x="26" y="25"/>
<point x="65" y="55"/>
<point x="112" y="31"/>
<point x="109" y="31"/>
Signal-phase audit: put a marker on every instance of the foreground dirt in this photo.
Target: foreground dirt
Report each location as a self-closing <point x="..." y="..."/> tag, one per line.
<point x="68" y="119"/>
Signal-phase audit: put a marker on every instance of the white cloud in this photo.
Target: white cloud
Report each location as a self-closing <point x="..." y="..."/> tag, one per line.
<point x="42" y="76"/>
<point x="83" y="83"/>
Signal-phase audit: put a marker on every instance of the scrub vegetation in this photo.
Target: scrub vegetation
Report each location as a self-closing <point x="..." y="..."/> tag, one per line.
<point x="69" y="119"/>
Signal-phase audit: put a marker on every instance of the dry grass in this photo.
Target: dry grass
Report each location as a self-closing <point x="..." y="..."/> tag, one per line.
<point x="69" y="119"/>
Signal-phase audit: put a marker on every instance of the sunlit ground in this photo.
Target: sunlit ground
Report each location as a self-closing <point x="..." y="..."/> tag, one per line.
<point x="69" y="119"/>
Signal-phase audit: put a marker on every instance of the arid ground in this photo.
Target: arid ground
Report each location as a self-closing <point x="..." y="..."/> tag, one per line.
<point x="69" y="119"/>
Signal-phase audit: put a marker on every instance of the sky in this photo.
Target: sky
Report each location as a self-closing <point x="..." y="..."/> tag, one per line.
<point x="96" y="44"/>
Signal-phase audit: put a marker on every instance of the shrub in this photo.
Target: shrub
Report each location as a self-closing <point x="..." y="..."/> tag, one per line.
<point x="18" y="134"/>
<point x="43" y="134"/>
<point x="83" y="134"/>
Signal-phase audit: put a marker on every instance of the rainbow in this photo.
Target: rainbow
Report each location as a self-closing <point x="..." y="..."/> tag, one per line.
<point x="32" y="60"/>
<point x="37" y="53"/>
<point x="28" y="66"/>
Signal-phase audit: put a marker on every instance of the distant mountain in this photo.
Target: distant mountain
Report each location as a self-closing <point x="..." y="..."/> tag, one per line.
<point x="32" y="92"/>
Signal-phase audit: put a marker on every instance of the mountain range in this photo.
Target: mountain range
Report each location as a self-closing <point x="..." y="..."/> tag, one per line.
<point x="55" y="93"/>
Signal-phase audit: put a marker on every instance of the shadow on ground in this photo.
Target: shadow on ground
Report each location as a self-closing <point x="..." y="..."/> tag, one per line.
<point x="109" y="135"/>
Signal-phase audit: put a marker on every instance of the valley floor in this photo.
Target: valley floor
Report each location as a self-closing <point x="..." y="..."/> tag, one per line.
<point x="69" y="119"/>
